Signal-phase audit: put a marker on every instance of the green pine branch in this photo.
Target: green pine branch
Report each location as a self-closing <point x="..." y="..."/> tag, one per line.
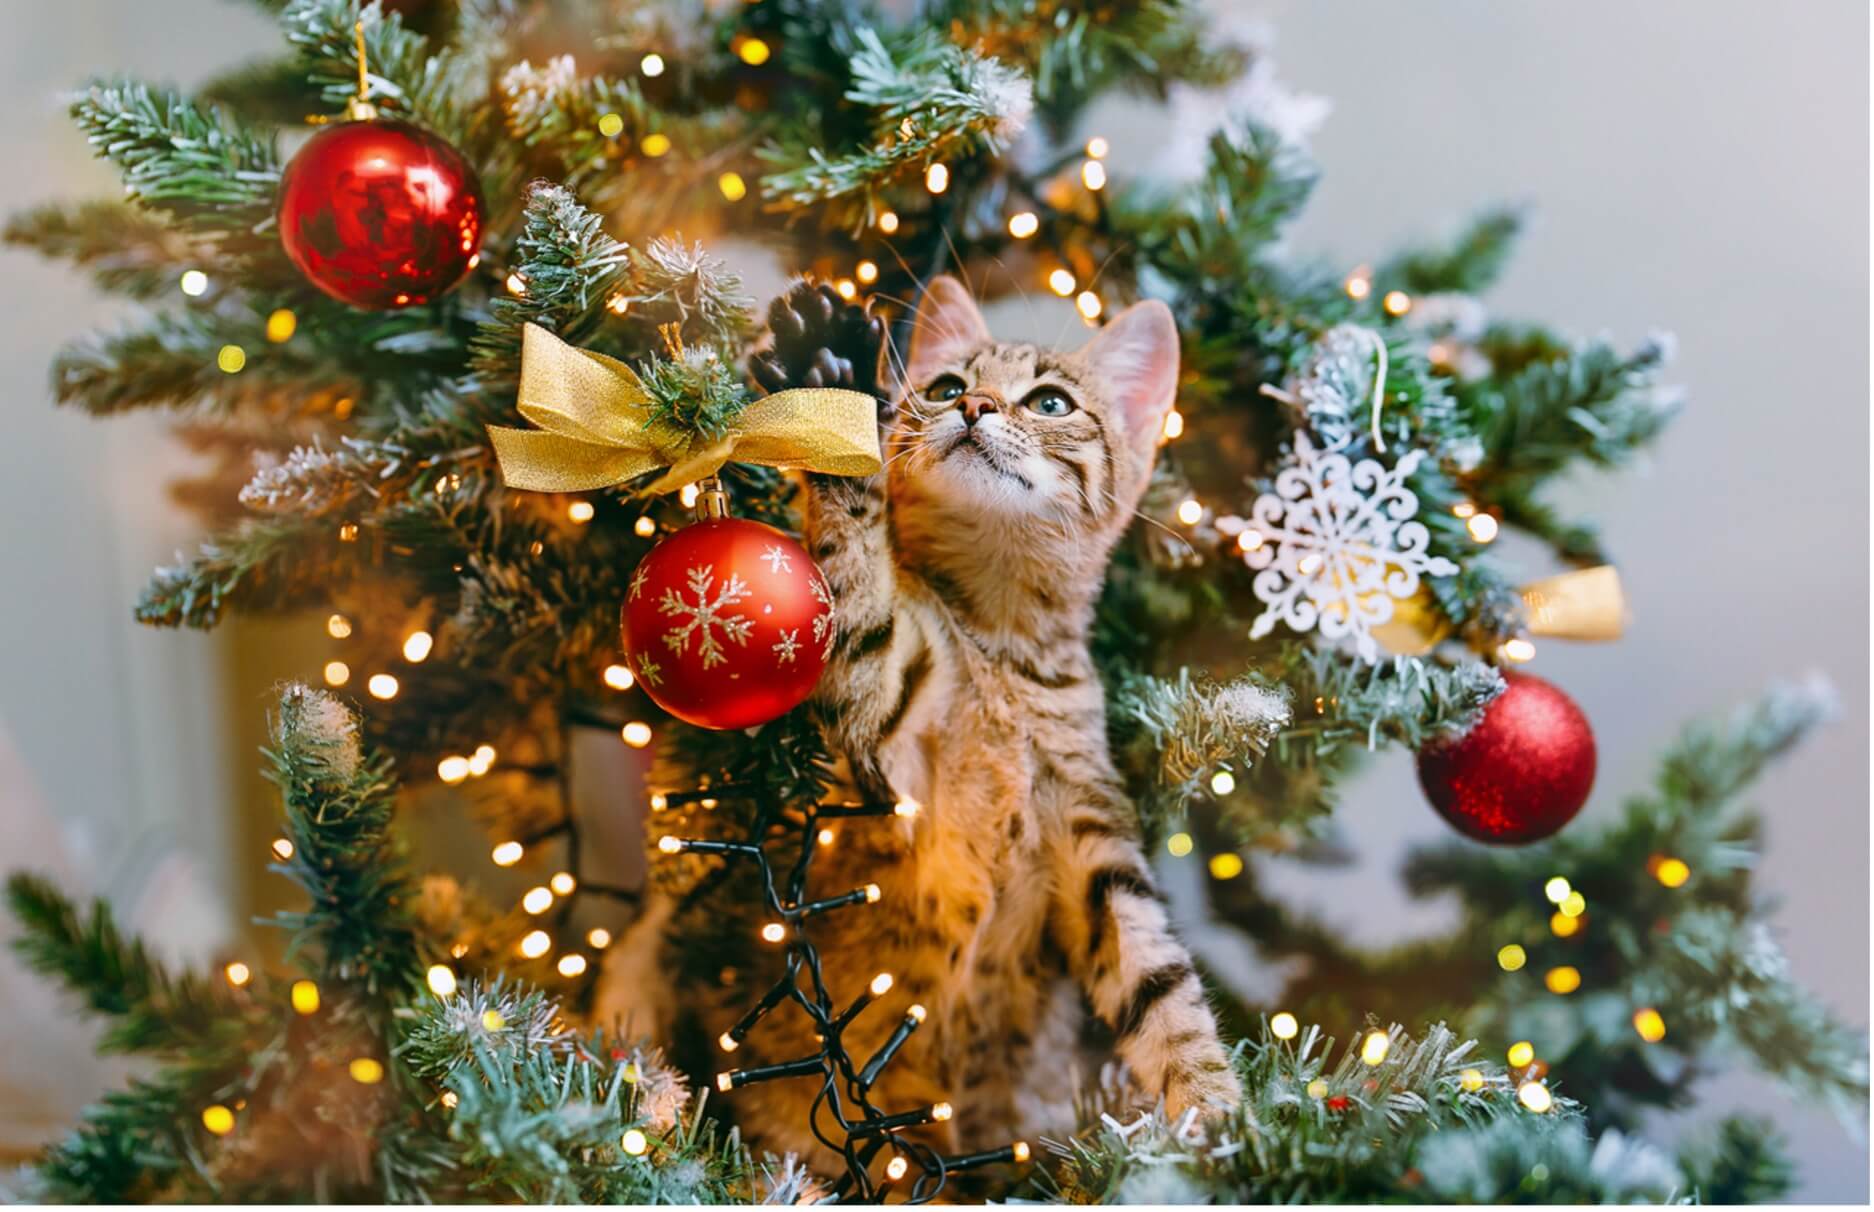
<point x="127" y="249"/>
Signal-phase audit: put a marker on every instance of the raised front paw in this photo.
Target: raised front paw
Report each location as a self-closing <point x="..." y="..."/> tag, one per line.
<point x="822" y="340"/>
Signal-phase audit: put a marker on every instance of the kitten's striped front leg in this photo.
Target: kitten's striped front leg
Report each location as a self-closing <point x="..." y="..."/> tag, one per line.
<point x="1112" y="923"/>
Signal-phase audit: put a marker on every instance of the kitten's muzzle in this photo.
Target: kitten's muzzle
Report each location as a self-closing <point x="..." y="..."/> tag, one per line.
<point x="974" y="405"/>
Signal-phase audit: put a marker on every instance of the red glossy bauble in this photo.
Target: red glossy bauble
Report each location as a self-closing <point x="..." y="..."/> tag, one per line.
<point x="1521" y="774"/>
<point x="728" y="623"/>
<point x="380" y="213"/>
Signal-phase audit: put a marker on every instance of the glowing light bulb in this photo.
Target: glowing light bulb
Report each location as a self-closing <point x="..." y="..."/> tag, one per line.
<point x="598" y="938"/>
<point x="1093" y="175"/>
<point x="1574" y="904"/>
<point x="1557" y="889"/>
<point x="506" y="854"/>
<point x="1535" y="1096"/>
<point x="337" y="673"/>
<point x="1672" y="872"/>
<point x="848" y="290"/>
<point x="636" y="734"/>
<point x="1284" y="1026"/>
<point x="895" y="1168"/>
<point x="1564" y="926"/>
<point x="537" y="900"/>
<point x="1179" y="844"/>
<point x="281" y="325"/>
<point x="536" y="944"/>
<point x="1396" y="303"/>
<point x="1098" y="147"/>
<point x="727" y="1042"/>
<point x="917" y="1013"/>
<point x="688" y="494"/>
<point x="1222" y="783"/>
<point x="338" y="626"/>
<point x="282" y="848"/>
<point x="753" y="52"/>
<point x="305" y="997"/>
<point x="1511" y="957"/>
<point x="670" y="845"/>
<point x="571" y="965"/>
<point x="1190" y="511"/>
<point x="866" y="272"/>
<point x="238" y="974"/>
<point x="1483" y="527"/>
<point x="1649" y="1024"/>
<point x="906" y="808"/>
<point x="1088" y="304"/>
<point x="652" y="65"/>
<point x="517" y="285"/>
<point x="773" y="932"/>
<point x="1020" y="1150"/>
<point x="580" y="512"/>
<point x="1563" y="980"/>
<point x="659" y="801"/>
<point x="872" y="894"/>
<point x="824" y="837"/>
<point x="611" y="125"/>
<point x="492" y="1020"/>
<point x="194" y="283"/>
<point x="725" y="1082"/>
<point x="618" y="677"/>
<point x="417" y="645"/>
<point x="1358" y="285"/>
<point x="1023" y="224"/>
<point x="1317" y="1088"/>
<point x="941" y="1112"/>
<point x="618" y="304"/>
<point x="1374" y="1047"/>
<point x="634" y="1142"/>
<point x="1519" y="650"/>
<point x="218" y="1119"/>
<point x="644" y="527"/>
<point x="441" y="979"/>
<point x="563" y="883"/>
<point x="881" y="984"/>
<point x="732" y="186"/>
<point x="888" y="221"/>
<point x="449" y="1099"/>
<point x="937" y="178"/>
<point x="382" y="686"/>
<point x="1174" y="425"/>
<point x="366" y="1071"/>
<point x="1521" y="1053"/>
<point x="1226" y="866"/>
<point x="1472" y="1080"/>
<point x="1249" y="540"/>
<point x="655" y="145"/>
<point x="1061" y="282"/>
<point x="452" y="769"/>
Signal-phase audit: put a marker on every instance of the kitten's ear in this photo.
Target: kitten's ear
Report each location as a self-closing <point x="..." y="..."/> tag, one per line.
<point x="1137" y="354"/>
<point x="948" y="325"/>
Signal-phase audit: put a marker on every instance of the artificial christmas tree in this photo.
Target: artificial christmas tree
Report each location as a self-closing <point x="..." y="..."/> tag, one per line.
<point x="438" y="1045"/>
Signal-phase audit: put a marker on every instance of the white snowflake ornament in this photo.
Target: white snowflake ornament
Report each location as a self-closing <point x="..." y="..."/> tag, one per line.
<point x="1335" y="545"/>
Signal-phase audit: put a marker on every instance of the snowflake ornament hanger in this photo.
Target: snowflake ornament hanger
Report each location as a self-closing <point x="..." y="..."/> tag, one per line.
<point x="1335" y="544"/>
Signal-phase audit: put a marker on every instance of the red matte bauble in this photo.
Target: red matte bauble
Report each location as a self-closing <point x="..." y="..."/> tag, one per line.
<point x="1521" y="774"/>
<point x="728" y="623"/>
<point x="380" y="213"/>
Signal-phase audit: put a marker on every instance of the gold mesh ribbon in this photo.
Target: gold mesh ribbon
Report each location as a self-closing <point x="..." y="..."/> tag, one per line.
<point x="1587" y="604"/>
<point x="595" y="428"/>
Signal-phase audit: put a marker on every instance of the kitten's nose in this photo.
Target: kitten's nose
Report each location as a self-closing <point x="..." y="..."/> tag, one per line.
<point x="975" y="404"/>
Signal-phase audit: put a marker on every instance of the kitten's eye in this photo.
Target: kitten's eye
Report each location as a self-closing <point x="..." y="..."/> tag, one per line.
<point x="1049" y="403"/>
<point x="947" y="387"/>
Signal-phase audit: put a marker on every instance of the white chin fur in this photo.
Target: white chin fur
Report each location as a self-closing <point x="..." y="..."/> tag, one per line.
<point x="970" y="477"/>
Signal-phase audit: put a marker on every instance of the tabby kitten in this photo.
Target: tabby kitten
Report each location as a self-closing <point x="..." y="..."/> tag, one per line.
<point x="1018" y="897"/>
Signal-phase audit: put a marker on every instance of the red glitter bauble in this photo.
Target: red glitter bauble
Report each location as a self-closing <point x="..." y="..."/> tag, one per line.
<point x="380" y="213"/>
<point x="728" y="623"/>
<point x="1521" y="774"/>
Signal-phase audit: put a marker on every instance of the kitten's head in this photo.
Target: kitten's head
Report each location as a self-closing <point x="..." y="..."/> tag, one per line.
<point x="1030" y="433"/>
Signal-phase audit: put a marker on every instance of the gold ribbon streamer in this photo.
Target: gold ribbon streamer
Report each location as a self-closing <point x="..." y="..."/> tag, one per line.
<point x="595" y="428"/>
<point x="1587" y="604"/>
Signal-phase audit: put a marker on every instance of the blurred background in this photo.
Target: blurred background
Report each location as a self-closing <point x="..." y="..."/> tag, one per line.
<point x="1695" y="166"/>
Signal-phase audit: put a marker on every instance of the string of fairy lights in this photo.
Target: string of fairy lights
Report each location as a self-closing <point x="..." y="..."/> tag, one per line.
<point x="844" y="1116"/>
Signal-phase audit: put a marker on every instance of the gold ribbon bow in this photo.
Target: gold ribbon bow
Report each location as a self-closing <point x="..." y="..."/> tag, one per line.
<point x="596" y="430"/>
<point x="1586" y="604"/>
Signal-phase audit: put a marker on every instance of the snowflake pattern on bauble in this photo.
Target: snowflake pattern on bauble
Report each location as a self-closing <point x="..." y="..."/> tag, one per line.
<point x="787" y="647"/>
<point x="777" y="559"/>
<point x="637" y="581"/>
<point x="704" y="617"/>
<point x="649" y="671"/>
<point x="1338" y="545"/>
<point x="823" y="629"/>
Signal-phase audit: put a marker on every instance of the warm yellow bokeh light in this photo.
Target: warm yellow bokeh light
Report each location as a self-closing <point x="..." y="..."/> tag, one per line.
<point x="1179" y="844"/>
<point x="1374" y="1047"/>
<point x="536" y="944"/>
<point x="1521" y="1053"/>
<point x="1574" y="904"/>
<point x="1284" y="1026"/>
<point x="1226" y="866"/>
<point x="537" y="901"/>
<point x="1535" y="1096"/>
<point x="572" y="965"/>
<point x="1557" y="889"/>
<point x="1472" y="1080"/>
<point x="1061" y="282"/>
<point x="1563" y="925"/>
<point x="618" y="677"/>
<point x="231" y="359"/>
<point x="1672" y="872"/>
<point x="1563" y="980"/>
<point x="337" y="626"/>
<point x="441" y="980"/>
<point x="652" y="65"/>
<point x="636" y="734"/>
<point x="562" y="883"/>
<point x="452" y="769"/>
<point x="655" y="145"/>
<point x="753" y="51"/>
<point x="937" y="178"/>
<point x="417" y="645"/>
<point x="732" y="186"/>
<point x="366" y="1071"/>
<point x="238" y="974"/>
<point x="218" y="1119"/>
<point x="1023" y="224"/>
<point x="1649" y="1024"/>
<point x="281" y="325"/>
<point x="610" y="125"/>
<point x="337" y="673"/>
<point x="382" y="686"/>
<point x="1511" y="957"/>
<point x="305" y="997"/>
<point x="634" y="1142"/>
<point x="506" y="854"/>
